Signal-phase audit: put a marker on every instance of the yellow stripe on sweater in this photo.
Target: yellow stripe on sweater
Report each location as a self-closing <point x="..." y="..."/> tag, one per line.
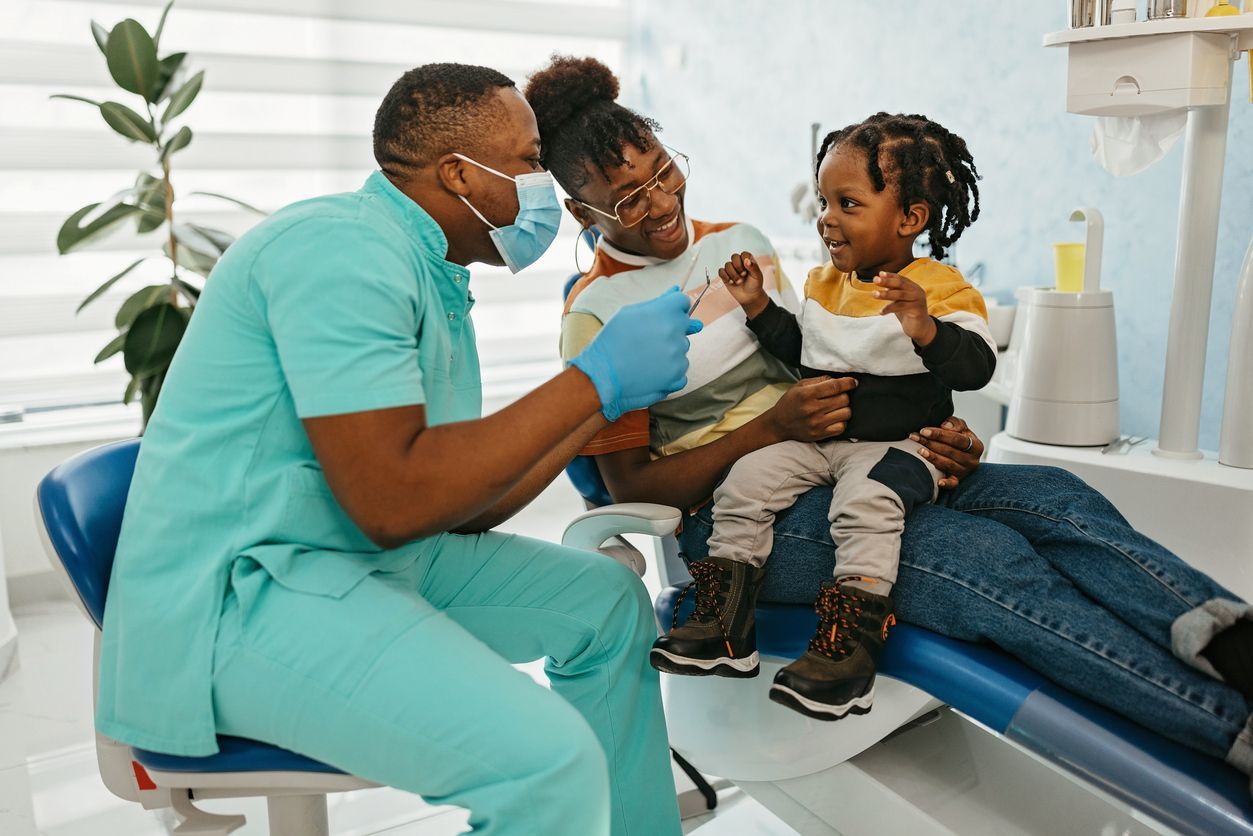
<point x="842" y="294"/>
<point x="734" y="418"/>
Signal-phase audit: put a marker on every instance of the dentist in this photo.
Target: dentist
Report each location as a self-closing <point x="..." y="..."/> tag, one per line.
<point x="306" y="556"/>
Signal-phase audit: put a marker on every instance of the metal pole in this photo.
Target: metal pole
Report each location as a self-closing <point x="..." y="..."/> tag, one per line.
<point x="1235" y="446"/>
<point x="298" y="815"/>
<point x="1205" y="147"/>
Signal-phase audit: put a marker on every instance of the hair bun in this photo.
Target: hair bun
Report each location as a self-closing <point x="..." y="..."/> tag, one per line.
<point x="567" y="86"/>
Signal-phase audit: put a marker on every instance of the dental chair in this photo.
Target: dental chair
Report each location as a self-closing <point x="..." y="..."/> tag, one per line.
<point x="78" y="508"/>
<point x="963" y="739"/>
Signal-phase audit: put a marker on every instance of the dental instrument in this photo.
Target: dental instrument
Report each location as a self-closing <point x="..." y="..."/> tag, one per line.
<point x="701" y="295"/>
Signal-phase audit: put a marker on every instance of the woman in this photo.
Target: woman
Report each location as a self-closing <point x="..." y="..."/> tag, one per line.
<point x="1028" y="558"/>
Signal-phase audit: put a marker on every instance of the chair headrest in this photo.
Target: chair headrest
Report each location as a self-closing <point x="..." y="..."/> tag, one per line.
<point x="81" y="503"/>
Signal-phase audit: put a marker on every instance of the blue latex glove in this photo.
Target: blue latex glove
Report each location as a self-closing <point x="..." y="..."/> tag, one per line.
<point x="640" y="356"/>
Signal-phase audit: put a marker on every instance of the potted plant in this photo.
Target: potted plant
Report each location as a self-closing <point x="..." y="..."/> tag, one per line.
<point x="151" y="321"/>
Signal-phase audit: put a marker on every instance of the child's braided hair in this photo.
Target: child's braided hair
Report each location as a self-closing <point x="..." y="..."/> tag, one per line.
<point x="926" y="161"/>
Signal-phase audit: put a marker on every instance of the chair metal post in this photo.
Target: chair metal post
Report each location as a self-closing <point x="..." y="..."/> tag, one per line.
<point x="298" y="815"/>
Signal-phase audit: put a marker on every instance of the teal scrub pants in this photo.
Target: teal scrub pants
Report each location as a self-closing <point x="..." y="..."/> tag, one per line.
<point x="406" y="680"/>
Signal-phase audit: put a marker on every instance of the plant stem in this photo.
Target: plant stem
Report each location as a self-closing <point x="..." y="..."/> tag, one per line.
<point x="169" y="204"/>
<point x="169" y="221"/>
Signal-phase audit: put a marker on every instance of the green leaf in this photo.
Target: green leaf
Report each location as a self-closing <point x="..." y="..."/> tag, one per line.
<point x="149" y="221"/>
<point x="156" y="38"/>
<point x="182" y="98"/>
<point x="153" y="338"/>
<point x="150" y="197"/>
<point x="74" y="233"/>
<point x="149" y="390"/>
<point x="167" y="74"/>
<point x="140" y="301"/>
<point x="95" y="294"/>
<point x="198" y="263"/>
<point x="221" y="238"/>
<point x="240" y="203"/>
<point x="132" y="58"/>
<point x="177" y="143"/>
<point x="127" y="122"/>
<point x="132" y="388"/>
<point x="114" y="346"/>
<point x="190" y="291"/>
<point x="146" y="182"/>
<point x="74" y="98"/>
<point x="202" y="239"/>
<point x="150" y="192"/>
<point x="102" y="37"/>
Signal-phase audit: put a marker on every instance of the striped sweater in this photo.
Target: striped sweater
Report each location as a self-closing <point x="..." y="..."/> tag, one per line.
<point x="730" y="379"/>
<point x="901" y="387"/>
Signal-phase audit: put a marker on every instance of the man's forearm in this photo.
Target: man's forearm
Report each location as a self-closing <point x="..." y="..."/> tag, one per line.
<point x="458" y="471"/>
<point x="537" y="479"/>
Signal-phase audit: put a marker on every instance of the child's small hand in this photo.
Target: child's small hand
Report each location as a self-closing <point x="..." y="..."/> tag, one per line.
<point x="744" y="280"/>
<point x="908" y="301"/>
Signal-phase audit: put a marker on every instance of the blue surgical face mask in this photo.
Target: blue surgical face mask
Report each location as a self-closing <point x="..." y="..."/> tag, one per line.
<point x="522" y="242"/>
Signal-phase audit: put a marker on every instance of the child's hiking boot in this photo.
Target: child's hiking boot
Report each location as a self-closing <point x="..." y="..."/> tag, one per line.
<point x="835" y="676"/>
<point x="719" y="638"/>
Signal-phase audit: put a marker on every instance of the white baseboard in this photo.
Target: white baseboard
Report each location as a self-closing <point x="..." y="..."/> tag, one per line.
<point x="37" y="588"/>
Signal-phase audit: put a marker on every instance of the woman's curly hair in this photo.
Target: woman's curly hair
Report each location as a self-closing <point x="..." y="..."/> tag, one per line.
<point x="580" y="120"/>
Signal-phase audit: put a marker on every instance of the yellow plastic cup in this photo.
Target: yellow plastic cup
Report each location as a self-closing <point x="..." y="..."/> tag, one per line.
<point x="1068" y="260"/>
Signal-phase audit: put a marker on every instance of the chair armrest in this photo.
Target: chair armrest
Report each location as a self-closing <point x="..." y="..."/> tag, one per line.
<point x="591" y="529"/>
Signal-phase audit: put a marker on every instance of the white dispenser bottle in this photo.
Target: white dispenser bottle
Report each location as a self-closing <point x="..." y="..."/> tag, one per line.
<point x="1065" y="388"/>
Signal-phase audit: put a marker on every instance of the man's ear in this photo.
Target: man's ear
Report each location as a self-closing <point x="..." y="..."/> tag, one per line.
<point x="451" y="171"/>
<point x="915" y="219"/>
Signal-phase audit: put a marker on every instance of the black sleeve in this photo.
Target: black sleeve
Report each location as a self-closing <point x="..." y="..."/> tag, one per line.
<point x="779" y="332"/>
<point x="961" y="359"/>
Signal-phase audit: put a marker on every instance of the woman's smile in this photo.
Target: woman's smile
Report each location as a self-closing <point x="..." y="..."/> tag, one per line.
<point x="668" y="231"/>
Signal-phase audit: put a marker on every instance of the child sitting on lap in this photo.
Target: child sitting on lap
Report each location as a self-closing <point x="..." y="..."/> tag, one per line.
<point x="911" y="331"/>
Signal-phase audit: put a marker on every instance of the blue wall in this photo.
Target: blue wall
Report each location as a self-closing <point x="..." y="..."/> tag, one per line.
<point x="736" y="84"/>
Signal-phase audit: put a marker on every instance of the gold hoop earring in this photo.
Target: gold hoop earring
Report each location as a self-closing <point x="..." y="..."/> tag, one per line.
<point x="577" y="239"/>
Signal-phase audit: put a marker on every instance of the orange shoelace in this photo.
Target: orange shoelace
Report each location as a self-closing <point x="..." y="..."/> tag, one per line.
<point x="838" y="615"/>
<point x="706" y="578"/>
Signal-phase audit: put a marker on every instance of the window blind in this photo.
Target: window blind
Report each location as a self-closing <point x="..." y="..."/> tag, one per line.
<point x="285" y="113"/>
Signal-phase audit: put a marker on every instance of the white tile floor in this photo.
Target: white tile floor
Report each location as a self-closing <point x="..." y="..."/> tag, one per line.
<point x="48" y="780"/>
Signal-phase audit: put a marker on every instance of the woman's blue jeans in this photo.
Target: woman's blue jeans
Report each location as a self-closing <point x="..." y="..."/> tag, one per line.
<point x="1033" y="560"/>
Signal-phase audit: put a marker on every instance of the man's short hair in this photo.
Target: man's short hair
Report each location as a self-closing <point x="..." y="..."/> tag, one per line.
<point x="434" y="110"/>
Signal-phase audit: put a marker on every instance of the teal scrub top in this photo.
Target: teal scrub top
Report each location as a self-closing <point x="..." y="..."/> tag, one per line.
<point x="338" y="304"/>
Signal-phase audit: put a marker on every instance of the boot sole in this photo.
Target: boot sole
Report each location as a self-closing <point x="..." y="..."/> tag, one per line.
<point x="667" y="662"/>
<point x="819" y="710"/>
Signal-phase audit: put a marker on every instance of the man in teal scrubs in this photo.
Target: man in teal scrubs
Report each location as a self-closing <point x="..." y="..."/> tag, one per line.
<point x="306" y="557"/>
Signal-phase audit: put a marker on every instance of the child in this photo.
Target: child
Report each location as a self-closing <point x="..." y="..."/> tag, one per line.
<point x="910" y="331"/>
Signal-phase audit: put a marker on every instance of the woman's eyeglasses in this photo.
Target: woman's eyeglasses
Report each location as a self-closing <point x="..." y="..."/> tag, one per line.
<point x="633" y="209"/>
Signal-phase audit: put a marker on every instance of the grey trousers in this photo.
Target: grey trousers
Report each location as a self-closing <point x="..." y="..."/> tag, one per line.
<point x="876" y="484"/>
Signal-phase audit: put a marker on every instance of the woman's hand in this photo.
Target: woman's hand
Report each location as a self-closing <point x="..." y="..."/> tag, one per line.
<point x="814" y="409"/>
<point x="953" y="448"/>
<point x="744" y="281"/>
<point x="908" y="301"/>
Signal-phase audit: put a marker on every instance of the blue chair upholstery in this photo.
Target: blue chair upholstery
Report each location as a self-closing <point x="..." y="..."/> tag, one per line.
<point x="236" y="754"/>
<point x="81" y="502"/>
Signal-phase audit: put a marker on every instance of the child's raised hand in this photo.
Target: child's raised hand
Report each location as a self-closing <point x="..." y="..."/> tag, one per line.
<point x="908" y="301"/>
<point x="744" y="281"/>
